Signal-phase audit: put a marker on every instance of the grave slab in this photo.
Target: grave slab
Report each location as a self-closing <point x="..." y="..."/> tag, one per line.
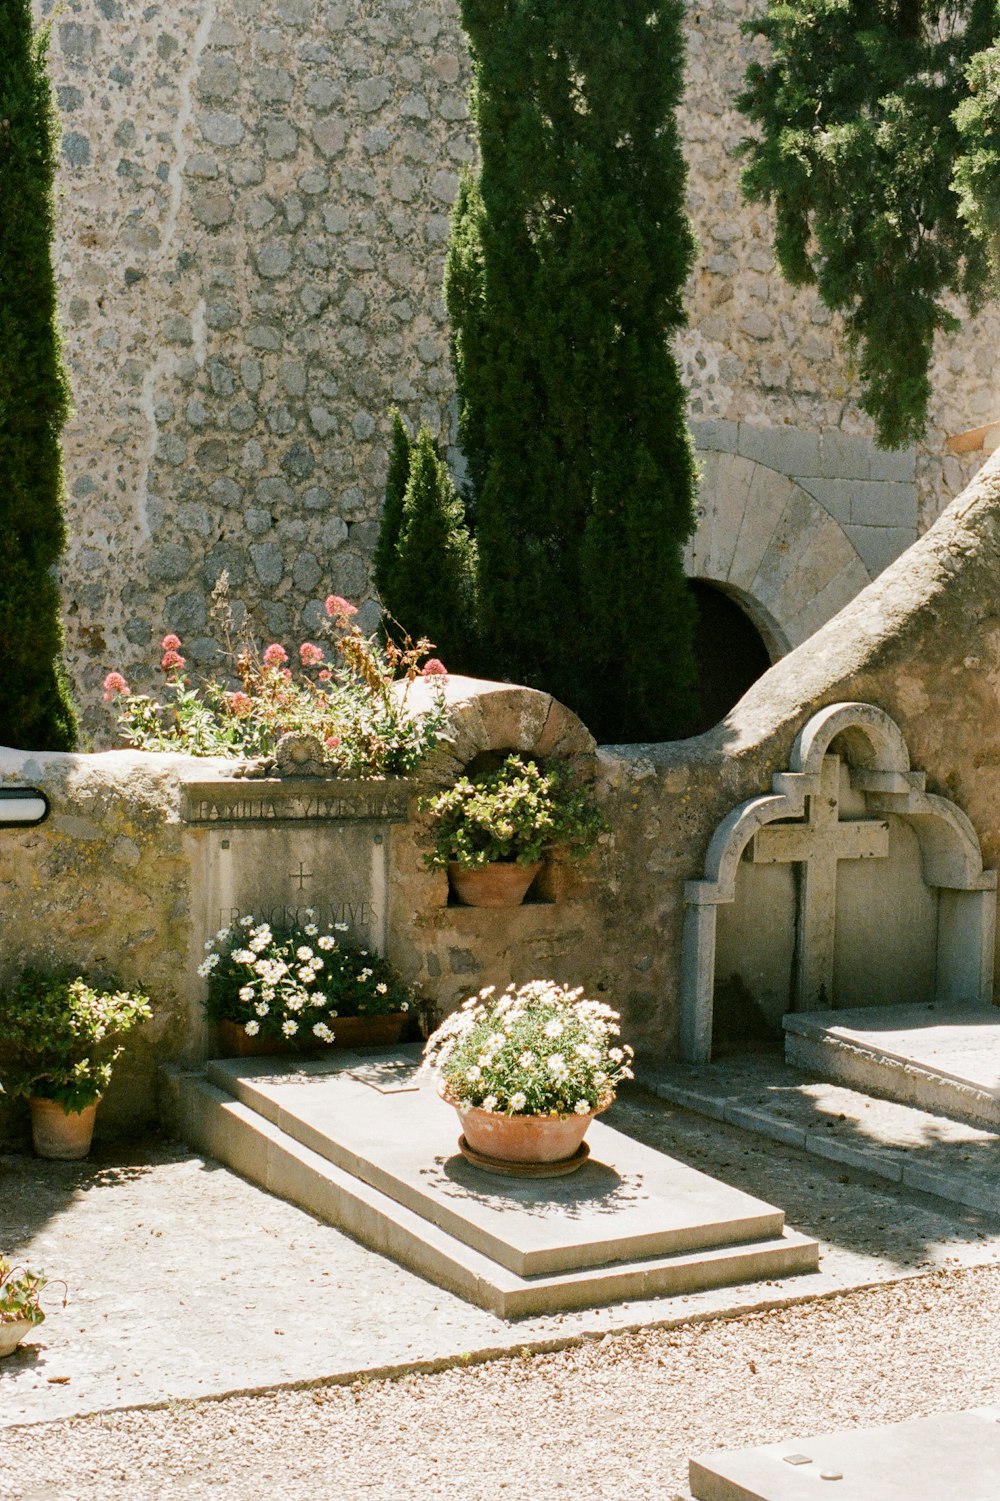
<point x="952" y="1456"/>
<point x="939" y="1057"/>
<point x="371" y="1146"/>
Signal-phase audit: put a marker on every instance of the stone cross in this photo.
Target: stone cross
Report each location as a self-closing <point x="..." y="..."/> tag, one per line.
<point x="817" y="844"/>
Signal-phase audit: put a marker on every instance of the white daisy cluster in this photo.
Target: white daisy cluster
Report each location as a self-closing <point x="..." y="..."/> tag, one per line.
<point x="536" y="1049"/>
<point x="294" y="981"/>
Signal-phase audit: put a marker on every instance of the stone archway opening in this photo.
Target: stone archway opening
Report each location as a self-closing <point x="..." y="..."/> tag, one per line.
<point x="731" y="651"/>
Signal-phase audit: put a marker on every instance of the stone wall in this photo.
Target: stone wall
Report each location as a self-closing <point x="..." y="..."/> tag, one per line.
<point x="253" y="220"/>
<point x="109" y="879"/>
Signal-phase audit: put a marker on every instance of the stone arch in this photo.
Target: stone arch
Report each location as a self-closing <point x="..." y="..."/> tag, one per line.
<point x="773" y="548"/>
<point x="488" y="716"/>
<point x="881" y="782"/>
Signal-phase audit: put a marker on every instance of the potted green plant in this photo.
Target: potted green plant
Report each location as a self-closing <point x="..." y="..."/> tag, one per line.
<point x="20" y="1307"/>
<point x="527" y="1070"/>
<point x="492" y="830"/>
<point x="60" y="1038"/>
<point x="298" y="988"/>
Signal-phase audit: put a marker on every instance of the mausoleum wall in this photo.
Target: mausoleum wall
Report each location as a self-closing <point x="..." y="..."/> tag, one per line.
<point x="254" y="208"/>
<point x="111" y="879"/>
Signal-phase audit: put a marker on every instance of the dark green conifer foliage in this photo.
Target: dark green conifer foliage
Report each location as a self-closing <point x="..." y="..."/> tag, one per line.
<point x="857" y="151"/>
<point x="568" y="257"/>
<point x="35" y="710"/>
<point x="431" y="578"/>
<point x="392" y="510"/>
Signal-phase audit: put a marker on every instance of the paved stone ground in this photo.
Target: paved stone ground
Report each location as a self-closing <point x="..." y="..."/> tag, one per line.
<point x="187" y="1282"/>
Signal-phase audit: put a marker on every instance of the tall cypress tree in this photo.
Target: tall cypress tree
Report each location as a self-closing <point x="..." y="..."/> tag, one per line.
<point x="569" y="254"/>
<point x="35" y="709"/>
<point x="396" y="482"/>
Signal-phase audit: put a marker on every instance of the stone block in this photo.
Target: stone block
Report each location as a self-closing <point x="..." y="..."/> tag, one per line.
<point x="844" y="456"/>
<point x="899" y="464"/>
<point x="767" y="496"/>
<point x="883" y="503"/>
<point x="834" y="495"/>
<point x="716" y="435"/>
<point x="786" y="449"/>
<point x="878" y="546"/>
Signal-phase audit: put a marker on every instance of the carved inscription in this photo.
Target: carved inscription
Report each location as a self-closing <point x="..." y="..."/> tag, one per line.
<point x="247" y="809"/>
<point x="357" y="914"/>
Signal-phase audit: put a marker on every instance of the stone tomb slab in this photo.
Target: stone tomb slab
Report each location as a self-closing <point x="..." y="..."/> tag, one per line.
<point x="935" y="1055"/>
<point x="628" y="1202"/>
<point x="952" y="1456"/>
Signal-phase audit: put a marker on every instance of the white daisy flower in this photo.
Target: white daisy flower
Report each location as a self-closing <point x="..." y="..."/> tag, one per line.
<point x="310" y="930"/>
<point x="473" y="1073"/>
<point x="304" y="953"/>
<point x="262" y="1008"/>
<point x="251" y="1028"/>
<point x="326" y="942"/>
<point x="527" y="1058"/>
<point x="246" y="993"/>
<point x="554" y="1028"/>
<point x="382" y="988"/>
<point x="518" y="1101"/>
<point x="341" y="927"/>
<point x="289" y="1027"/>
<point x="490" y="1102"/>
<point x="581" y="1107"/>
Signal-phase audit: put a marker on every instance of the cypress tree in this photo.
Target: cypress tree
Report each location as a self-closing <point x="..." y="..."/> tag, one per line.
<point x="431" y="579"/>
<point x="396" y="482"/>
<point x="568" y="257"/>
<point x="869" y="113"/>
<point x="35" y="710"/>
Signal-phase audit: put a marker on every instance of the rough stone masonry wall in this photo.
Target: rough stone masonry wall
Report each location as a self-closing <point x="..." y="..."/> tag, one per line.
<point x="107" y="880"/>
<point x="255" y="206"/>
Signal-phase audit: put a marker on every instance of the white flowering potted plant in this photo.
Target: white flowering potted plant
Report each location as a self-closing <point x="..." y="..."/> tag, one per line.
<point x="527" y="1069"/>
<point x="298" y="988"/>
<point x="60" y="1039"/>
<point x="493" y="830"/>
<point x="20" y="1305"/>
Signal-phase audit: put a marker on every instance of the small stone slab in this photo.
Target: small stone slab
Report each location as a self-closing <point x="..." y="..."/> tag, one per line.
<point x="933" y="1055"/>
<point x="628" y="1202"/>
<point x="952" y="1456"/>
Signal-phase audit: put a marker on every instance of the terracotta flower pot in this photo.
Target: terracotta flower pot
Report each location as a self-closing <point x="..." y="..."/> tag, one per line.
<point x="11" y="1335"/>
<point x="348" y="1032"/>
<point x="502" y="884"/>
<point x="523" y="1138"/>
<point x="64" y="1135"/>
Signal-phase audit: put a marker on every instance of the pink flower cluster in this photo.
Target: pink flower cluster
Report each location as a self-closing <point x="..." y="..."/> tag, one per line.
<point x="434" y="668"/>
<point x="310" y="655"/>
<point x="275" y="655"/>
<point x="172" y="659"/>
<point x="114" y="684"/>
<point x="340" y="609"/>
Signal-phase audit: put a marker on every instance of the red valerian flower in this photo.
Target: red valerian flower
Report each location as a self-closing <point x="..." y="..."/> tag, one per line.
<point x="275" y="655"/>
<point x="171" y="659"/>
<point x="325" y="675"/>
<point x="339" y="608"/>
<point x="171" y="642"/>
<point x="114" y="683"/>
<point x="434" y="668"/>
<point x="239" y="703"/>
<point x="331" y="742"/>
<point x="310" y="655"/>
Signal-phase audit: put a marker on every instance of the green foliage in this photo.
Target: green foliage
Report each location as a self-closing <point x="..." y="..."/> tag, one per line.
<point x="35" y="709"/>
<point x="512" y="814"/>
<point x="355" y="704"/>
<point x="431" y="580"/>
<point x="858" y="146"/>
<point x="568" y="257"/>
<point x="392" y="511"/>
<point x="977" y="170"/>
<point x="19" y="1290"/>
<point x="60" y="1036"/>
<point x="537" y="1050"/>
<point x="294" y="982"/>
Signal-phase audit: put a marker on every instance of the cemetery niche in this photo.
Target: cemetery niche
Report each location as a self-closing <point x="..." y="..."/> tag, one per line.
<point x="848" y="885"/>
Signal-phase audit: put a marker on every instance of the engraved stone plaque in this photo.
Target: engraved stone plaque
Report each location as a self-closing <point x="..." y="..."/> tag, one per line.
<point x="276" y="851"/>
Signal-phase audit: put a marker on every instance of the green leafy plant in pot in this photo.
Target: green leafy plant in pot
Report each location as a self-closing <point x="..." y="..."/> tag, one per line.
<point x="492" y="830"/>
<point x="60" y="1040"/>
<point x="20" y="1304"/>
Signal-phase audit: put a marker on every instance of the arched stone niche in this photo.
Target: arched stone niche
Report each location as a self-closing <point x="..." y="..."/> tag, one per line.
<point x="847" y="884"/>
<point x="487" y="716"/>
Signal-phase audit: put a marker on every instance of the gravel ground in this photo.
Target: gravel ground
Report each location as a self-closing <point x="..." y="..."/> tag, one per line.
<point x="615" y="1418"/>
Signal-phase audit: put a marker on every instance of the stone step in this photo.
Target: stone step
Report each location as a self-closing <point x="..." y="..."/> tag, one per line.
<point x="514" y="1246"/>
<point x="945" y="1060"/>
<point x="951" y="1456"/>
<point x="934" y="1154"/>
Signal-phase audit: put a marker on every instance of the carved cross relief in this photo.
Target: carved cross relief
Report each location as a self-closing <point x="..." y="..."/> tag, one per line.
<point x="817" y="844"/>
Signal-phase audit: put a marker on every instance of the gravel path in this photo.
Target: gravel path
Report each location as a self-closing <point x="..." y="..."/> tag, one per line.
<point x="616" y="1418"/>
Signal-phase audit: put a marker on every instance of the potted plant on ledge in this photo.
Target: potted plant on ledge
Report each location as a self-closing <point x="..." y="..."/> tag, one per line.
<point x="493" y="830"/>
<point x="59" y="1041"/>
<point x="527" y="1070"/>
<point x="20" y="1308"/>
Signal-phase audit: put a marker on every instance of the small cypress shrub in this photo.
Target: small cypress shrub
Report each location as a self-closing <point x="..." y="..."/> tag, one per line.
<point x="35" y="708"/>
<point x="431" y="578"/>
<point x="392" y="510"/>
